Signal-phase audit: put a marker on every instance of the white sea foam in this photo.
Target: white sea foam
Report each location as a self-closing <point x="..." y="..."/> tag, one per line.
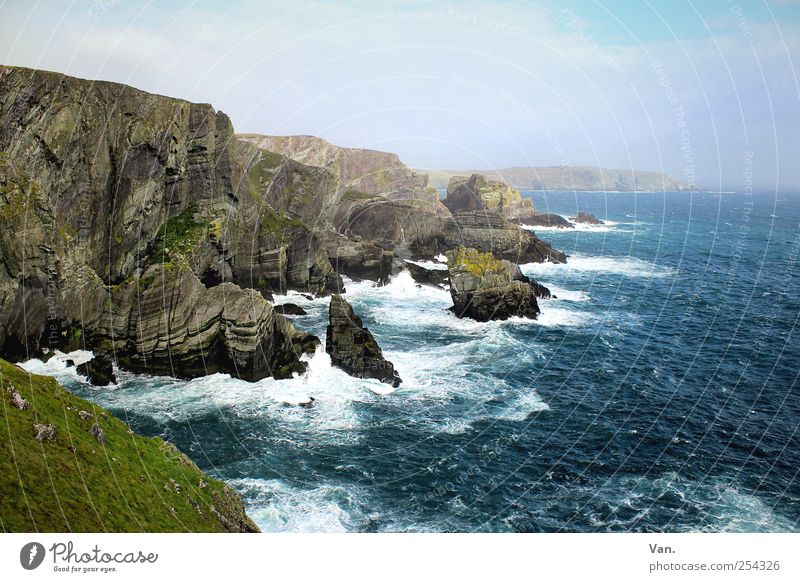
<point x="56" y="366"/>
<point x="552" y="316"/>
<point x="276" y="506"/>
<point x="562" y="294"/>
<point x="607" y="226"/>
<point x="401" y="289"/>
<point x="434" y="266"/>
<point x="627" y="266"/>
<point x="523" y="405"/>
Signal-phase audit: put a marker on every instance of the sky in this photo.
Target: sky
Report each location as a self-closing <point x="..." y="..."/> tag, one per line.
<point x="706" y="91"/>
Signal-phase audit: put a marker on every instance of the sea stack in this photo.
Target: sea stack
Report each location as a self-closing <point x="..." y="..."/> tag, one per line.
<point x="352" y="346"/>
<point x="485" y="288"/>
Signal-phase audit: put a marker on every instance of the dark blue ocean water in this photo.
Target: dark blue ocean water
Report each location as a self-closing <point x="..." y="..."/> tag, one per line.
<point x="659" y="392"/>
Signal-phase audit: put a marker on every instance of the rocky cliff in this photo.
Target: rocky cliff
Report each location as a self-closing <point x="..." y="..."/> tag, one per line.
<point x="479" y="193"/>
<point x="140" y="226"/>
<point x="360" y="170"/>
<point x="365" y="229"/>
<point x="113" y="199"/>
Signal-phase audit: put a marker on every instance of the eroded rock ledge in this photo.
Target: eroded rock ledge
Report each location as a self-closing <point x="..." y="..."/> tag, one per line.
<point x="170" y="323"/>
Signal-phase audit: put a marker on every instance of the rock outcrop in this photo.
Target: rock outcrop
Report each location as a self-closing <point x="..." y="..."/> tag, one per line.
<point x="585" y="218"/>
<point x="290" y="309"/>
<point x="99" y="370"/>
<point x="352" y="346"/>
<point x="137" y="223"/>
<point x="354" y="169"/>
<point x="544" y="219"/>
<point x="424" y="276"/>
<point x="479" y="193"/>
<point x="168" y="322"/>
<point x="486" y="288"/>
<point x="366" y="224"/>
<point x="420" y="231"/>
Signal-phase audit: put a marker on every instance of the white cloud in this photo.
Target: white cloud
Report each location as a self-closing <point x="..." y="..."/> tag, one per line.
<point x="481" y="84"/>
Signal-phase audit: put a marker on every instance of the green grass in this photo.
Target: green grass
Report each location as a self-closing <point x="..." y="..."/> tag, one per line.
<point x="132" y="484"/>
<point x="260" y="174"/>
<point x="18" y="193"/>
<point x="177" y="238"/>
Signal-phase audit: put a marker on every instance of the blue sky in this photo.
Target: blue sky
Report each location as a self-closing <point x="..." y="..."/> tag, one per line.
<point x="699" y="90"/>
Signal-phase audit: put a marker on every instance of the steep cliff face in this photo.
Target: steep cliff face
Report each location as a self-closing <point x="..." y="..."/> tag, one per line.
<point x="113" y="161"/>
<point x="369" y="171"/>
<point x="104" y="182"/>
<point x="365" y="224"/>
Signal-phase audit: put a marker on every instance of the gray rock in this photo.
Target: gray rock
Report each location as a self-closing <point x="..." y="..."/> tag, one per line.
<point x="290" y="309"/>
<point x="352" y="346"/>
<point x="477" y="192"/>
<point x="17" y="400"/>
<point x="99" y="370"/>
<point x="485" y="288"/>
<point x="543" y="219"/>
<point x="45" y="433"/>
<point x="431" y="277"/>
<point x="98" y="433"/>
<point x="586" y="218"/>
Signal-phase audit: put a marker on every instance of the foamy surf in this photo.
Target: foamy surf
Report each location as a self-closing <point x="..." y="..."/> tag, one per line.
<point x="626" y="266"/>
<point x="608" y="226"/>
<point x="276" y="506"/>
<point x="57" y="367"/>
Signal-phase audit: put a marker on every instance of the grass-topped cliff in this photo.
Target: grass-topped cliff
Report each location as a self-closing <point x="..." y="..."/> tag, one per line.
<point x="74" y="477"/>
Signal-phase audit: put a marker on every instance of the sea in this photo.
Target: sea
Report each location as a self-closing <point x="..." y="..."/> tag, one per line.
<point x="657" y="391"/>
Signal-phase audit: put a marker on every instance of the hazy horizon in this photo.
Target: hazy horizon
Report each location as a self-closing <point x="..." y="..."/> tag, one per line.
<point x="704" y="92"/>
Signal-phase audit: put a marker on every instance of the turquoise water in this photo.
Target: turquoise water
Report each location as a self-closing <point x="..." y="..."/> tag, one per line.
<point x="657" y="393"/>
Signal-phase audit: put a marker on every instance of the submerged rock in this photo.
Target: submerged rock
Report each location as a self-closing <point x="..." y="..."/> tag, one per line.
<point x="586" y="218"/>
<point x="352" y="346"/>
<point x="99" y="370"/>
<point x="485" y="288"/>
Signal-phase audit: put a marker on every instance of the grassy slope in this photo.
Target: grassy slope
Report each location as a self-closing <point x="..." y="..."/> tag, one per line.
<point x="128" y="485"/>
